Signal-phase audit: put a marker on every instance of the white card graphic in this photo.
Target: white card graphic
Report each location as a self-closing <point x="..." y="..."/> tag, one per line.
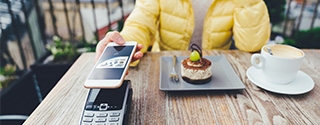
<point x="117" y="62"/>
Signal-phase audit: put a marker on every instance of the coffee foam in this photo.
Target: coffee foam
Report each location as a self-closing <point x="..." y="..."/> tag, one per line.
<point x="285" y="51"/>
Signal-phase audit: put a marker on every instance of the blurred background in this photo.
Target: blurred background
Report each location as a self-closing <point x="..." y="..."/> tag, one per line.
<point x="40" y="39"/>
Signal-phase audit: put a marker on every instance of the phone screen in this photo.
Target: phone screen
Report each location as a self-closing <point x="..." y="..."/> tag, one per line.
<point x="112" y="63"/>
<point x="113" y="97"/>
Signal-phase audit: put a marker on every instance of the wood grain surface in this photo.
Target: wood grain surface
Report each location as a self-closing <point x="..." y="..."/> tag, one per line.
<point x="150" y="106"/>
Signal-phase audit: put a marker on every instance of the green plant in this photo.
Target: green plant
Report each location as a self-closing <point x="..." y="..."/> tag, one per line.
<point x="305" y="39"/>
<point x="89" y="46"/>
<point x="289" y="41"/>
<point x="62" y="51"/>
<point x="308" y="38"/>
<point x="7" y="74"/>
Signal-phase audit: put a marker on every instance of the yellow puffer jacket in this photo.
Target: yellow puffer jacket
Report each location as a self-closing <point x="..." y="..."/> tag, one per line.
<point x="173" y="22"/>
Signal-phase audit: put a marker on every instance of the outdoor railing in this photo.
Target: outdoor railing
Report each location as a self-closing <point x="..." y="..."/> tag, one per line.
<point x="88" y="20"/>
<point x="32" y="24"/>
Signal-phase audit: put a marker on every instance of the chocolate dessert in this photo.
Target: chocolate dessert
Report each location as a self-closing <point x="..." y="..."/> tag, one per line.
<point x="196" y="69"/>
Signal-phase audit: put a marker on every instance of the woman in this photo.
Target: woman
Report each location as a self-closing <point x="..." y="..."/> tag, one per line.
<point x="176" y="24"/>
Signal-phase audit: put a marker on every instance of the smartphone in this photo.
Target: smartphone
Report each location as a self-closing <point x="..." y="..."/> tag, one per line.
<point x="108" y="106"/>
<point x="111" y="67"/>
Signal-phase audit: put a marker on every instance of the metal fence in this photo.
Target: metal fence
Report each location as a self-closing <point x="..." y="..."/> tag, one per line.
<point x="300" y="15"/>
<point x="30" y="24"/>
<point x="27" y="26"/>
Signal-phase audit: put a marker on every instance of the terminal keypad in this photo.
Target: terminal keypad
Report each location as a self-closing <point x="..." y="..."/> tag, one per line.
<point x="101" y="118"/>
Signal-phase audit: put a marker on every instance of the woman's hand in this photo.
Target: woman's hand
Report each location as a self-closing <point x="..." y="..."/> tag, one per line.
<point x="115" y="36"/>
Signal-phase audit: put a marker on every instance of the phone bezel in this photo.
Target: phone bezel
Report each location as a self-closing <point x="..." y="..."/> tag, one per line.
<point x="111" y="83"/>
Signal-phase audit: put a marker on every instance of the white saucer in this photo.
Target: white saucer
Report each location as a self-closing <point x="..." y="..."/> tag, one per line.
<point x="302" y="83"/>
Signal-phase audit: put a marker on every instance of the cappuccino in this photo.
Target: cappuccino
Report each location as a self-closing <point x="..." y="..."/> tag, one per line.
<point x="284" y="51"/>
<point x="280" y="65"/>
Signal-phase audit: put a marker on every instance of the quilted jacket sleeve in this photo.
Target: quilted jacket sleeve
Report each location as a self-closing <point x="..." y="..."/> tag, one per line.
<point x="251" y="25"/>
<point x="141" y="25"/>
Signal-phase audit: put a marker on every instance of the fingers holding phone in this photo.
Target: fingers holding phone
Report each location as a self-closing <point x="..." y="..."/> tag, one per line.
<point x="113" y="36"/>
<point x="116" y="37"/>
<point x="138" y="54"/>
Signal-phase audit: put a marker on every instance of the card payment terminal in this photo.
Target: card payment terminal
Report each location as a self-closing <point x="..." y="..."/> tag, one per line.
<point x="108" y="106"/>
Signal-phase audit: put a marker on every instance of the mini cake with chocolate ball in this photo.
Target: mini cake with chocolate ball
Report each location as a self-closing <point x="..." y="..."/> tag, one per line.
<point x="196" y="69"/>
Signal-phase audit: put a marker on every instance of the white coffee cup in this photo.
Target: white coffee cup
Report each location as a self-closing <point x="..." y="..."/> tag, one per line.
<point x="281" y="66"/>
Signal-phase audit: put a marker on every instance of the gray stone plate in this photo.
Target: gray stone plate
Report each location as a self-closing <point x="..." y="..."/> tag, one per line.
<point x="223" y="76"/>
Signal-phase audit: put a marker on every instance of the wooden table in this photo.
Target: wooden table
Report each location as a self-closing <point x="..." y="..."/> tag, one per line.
<point x="64" y="104"/>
